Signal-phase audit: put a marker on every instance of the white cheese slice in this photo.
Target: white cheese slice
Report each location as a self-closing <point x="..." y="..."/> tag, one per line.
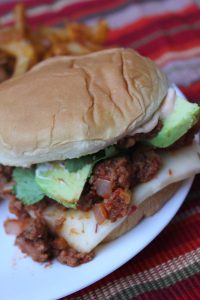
<point x="177" y="165"/>
<point x="80" y="229"/>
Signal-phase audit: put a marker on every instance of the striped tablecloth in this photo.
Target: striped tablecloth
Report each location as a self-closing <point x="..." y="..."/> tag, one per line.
<point x="169" y="33"/>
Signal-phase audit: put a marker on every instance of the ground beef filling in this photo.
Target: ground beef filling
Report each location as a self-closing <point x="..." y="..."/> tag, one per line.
<point x="112" y="180"/>
<point x="145" y="164"/>
<point x="35" y="238"/>
<point x="119" y="175"/>
<point x="42" y="245"/>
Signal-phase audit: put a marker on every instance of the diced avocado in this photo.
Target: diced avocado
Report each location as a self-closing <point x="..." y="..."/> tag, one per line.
<point x="60" y="184"/>
<point x="175" y="125"/>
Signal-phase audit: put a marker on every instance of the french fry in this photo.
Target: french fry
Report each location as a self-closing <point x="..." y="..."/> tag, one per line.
<point x="20" y="19"/>
<point x="23" y="53"/>
<point x="29" y="46"/>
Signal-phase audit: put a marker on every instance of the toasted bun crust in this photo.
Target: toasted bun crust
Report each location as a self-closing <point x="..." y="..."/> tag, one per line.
<point x="148" y="207"/>
<point x="67" y="107"/>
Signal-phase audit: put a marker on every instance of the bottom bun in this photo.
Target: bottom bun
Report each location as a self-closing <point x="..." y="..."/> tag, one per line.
<point x="147" y="208"/>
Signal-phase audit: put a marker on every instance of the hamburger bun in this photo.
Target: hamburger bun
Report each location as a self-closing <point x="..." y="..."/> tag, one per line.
<point x="67" y="107"/>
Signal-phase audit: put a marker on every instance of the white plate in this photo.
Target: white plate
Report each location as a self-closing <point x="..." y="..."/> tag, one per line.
<point x="22" y="279"/>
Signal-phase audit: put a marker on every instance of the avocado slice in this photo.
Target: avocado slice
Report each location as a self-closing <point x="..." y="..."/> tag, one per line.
<point x="64" y="181"/>
<point x="184" y="116"/>
<point x="58" y="183"/>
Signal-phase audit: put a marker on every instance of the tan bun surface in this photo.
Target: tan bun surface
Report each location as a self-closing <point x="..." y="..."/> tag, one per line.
<point x="67" y="107"/>
<point x="147" y="208"/>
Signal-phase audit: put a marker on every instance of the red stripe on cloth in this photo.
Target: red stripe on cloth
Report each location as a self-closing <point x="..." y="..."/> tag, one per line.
<point x="146" y="26"/>
<point x="165" y="43"/>
<point x="8" y="7"/>
<point x="97" y="6"/>
<point x="192" y="92"/>
<point x="179" y="241"/>
<point x="155" y="49"/>
<point x="73" y="11"/>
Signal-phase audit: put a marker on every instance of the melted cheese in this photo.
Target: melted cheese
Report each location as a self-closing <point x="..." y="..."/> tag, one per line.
<point x="177" y="165"/>
<point x="80" y="229"/>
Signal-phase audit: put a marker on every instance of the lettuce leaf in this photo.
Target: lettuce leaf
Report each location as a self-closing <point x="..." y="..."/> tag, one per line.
<point x="75" y="164"/>
<point x="26" y="189"/>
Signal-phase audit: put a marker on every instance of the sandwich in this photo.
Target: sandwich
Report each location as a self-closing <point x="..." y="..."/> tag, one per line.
<point x="90" y="145"/>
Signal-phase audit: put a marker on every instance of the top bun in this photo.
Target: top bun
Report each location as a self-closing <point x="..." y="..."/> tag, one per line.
<point x="66" y="107"/>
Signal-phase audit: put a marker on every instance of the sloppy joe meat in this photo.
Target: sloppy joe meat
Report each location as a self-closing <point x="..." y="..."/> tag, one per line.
<point x="37" y="240"/>
<point x="122" y="173"/>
